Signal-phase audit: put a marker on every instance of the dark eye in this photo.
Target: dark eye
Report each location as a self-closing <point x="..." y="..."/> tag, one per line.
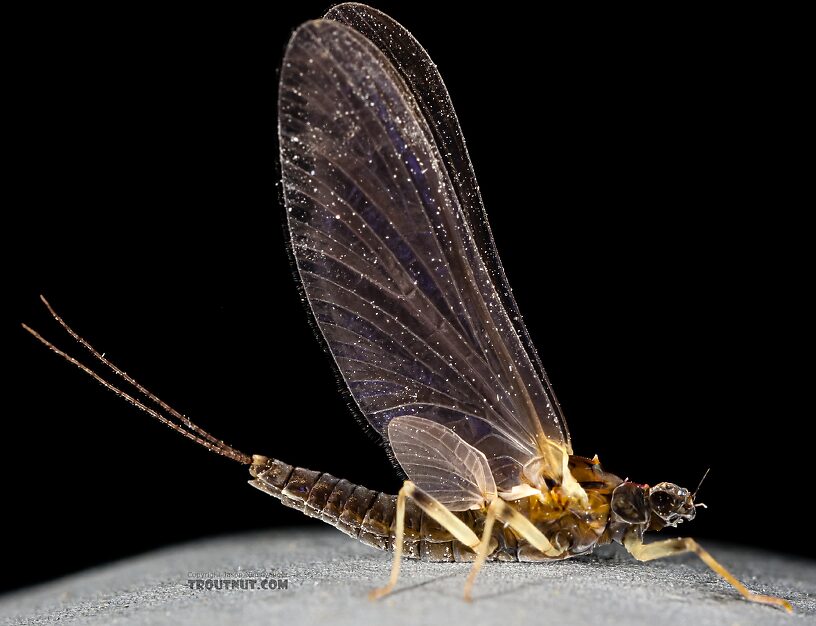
<point x="661" y="501"/>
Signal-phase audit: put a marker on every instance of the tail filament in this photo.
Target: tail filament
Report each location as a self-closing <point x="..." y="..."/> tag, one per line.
<point x="177" y="421"/>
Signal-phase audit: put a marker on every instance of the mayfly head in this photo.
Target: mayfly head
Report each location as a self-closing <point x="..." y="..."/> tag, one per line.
<point x="671" y="503"/>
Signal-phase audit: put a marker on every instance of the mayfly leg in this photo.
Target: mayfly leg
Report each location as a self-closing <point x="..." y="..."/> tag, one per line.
<point x="498" y="509"/>
<point x="669" y="547"/>
<point x="484" y="546"/>
<point x="432" y="507"/>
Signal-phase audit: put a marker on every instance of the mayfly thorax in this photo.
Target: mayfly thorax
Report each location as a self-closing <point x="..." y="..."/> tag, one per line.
<point x="396" y="260"/>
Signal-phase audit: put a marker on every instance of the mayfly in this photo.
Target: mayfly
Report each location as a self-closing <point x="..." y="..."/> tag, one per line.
<point x="397" y="263"/>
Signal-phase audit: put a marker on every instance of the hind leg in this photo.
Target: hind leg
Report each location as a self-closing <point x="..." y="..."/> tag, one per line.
<point x="431" y="506"/>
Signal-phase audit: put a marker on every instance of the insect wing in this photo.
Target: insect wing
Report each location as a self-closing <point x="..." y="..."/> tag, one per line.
<point x="387" y="259"/>
<point x="425" y="83"/>
<point x="441" y="463"/>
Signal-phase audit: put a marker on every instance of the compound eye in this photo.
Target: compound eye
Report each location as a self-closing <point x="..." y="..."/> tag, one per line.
<point x="661" y="502"/>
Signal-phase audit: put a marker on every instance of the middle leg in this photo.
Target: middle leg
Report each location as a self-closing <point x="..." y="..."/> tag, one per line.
<point x="499" y="509"/>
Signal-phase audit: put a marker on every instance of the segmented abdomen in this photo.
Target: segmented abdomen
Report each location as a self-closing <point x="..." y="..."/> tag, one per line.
<point x="370" y="516"/>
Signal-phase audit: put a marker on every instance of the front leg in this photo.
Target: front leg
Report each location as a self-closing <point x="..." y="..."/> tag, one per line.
<point x="669" y="547"/>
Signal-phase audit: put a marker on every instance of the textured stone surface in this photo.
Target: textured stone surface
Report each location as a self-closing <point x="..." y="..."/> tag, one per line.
<point x="329" y="575"/>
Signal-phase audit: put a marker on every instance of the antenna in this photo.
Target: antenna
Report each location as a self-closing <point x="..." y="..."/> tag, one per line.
<point x="694" y="495"/>
<point x="186" y="427"/>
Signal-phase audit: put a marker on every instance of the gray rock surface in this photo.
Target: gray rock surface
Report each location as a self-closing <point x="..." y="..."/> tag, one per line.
<point x="328" y="576"/>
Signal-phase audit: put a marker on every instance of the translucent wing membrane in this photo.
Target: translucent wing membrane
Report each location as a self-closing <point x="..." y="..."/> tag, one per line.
<point x="388" y="260"/>
<point x="441" y="463"/>
<point x="428" y="89"/>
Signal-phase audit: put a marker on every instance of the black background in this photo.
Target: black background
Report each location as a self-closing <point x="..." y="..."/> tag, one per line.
<point x="640" y="177"/>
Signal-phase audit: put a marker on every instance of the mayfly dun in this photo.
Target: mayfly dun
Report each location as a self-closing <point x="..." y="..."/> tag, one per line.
<point x="397" y="263"/>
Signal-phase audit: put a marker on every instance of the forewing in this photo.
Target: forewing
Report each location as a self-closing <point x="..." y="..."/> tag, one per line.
<point x="387" y="258"/>
<point x="441" y="463"/>
<point x="425" y="83"/>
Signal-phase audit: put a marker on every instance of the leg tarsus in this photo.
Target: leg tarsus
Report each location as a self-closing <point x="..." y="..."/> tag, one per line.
<point x="438" y="512"/>
<point x="379" y="592"/>
<point x="669" y="547"/>
<point x="498" y="509"/>
<point x="484" y="547"/>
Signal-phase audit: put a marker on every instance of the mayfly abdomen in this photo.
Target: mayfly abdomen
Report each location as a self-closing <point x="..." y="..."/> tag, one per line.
<point x="370" y="516"/>
<point x="359" y="512"/>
